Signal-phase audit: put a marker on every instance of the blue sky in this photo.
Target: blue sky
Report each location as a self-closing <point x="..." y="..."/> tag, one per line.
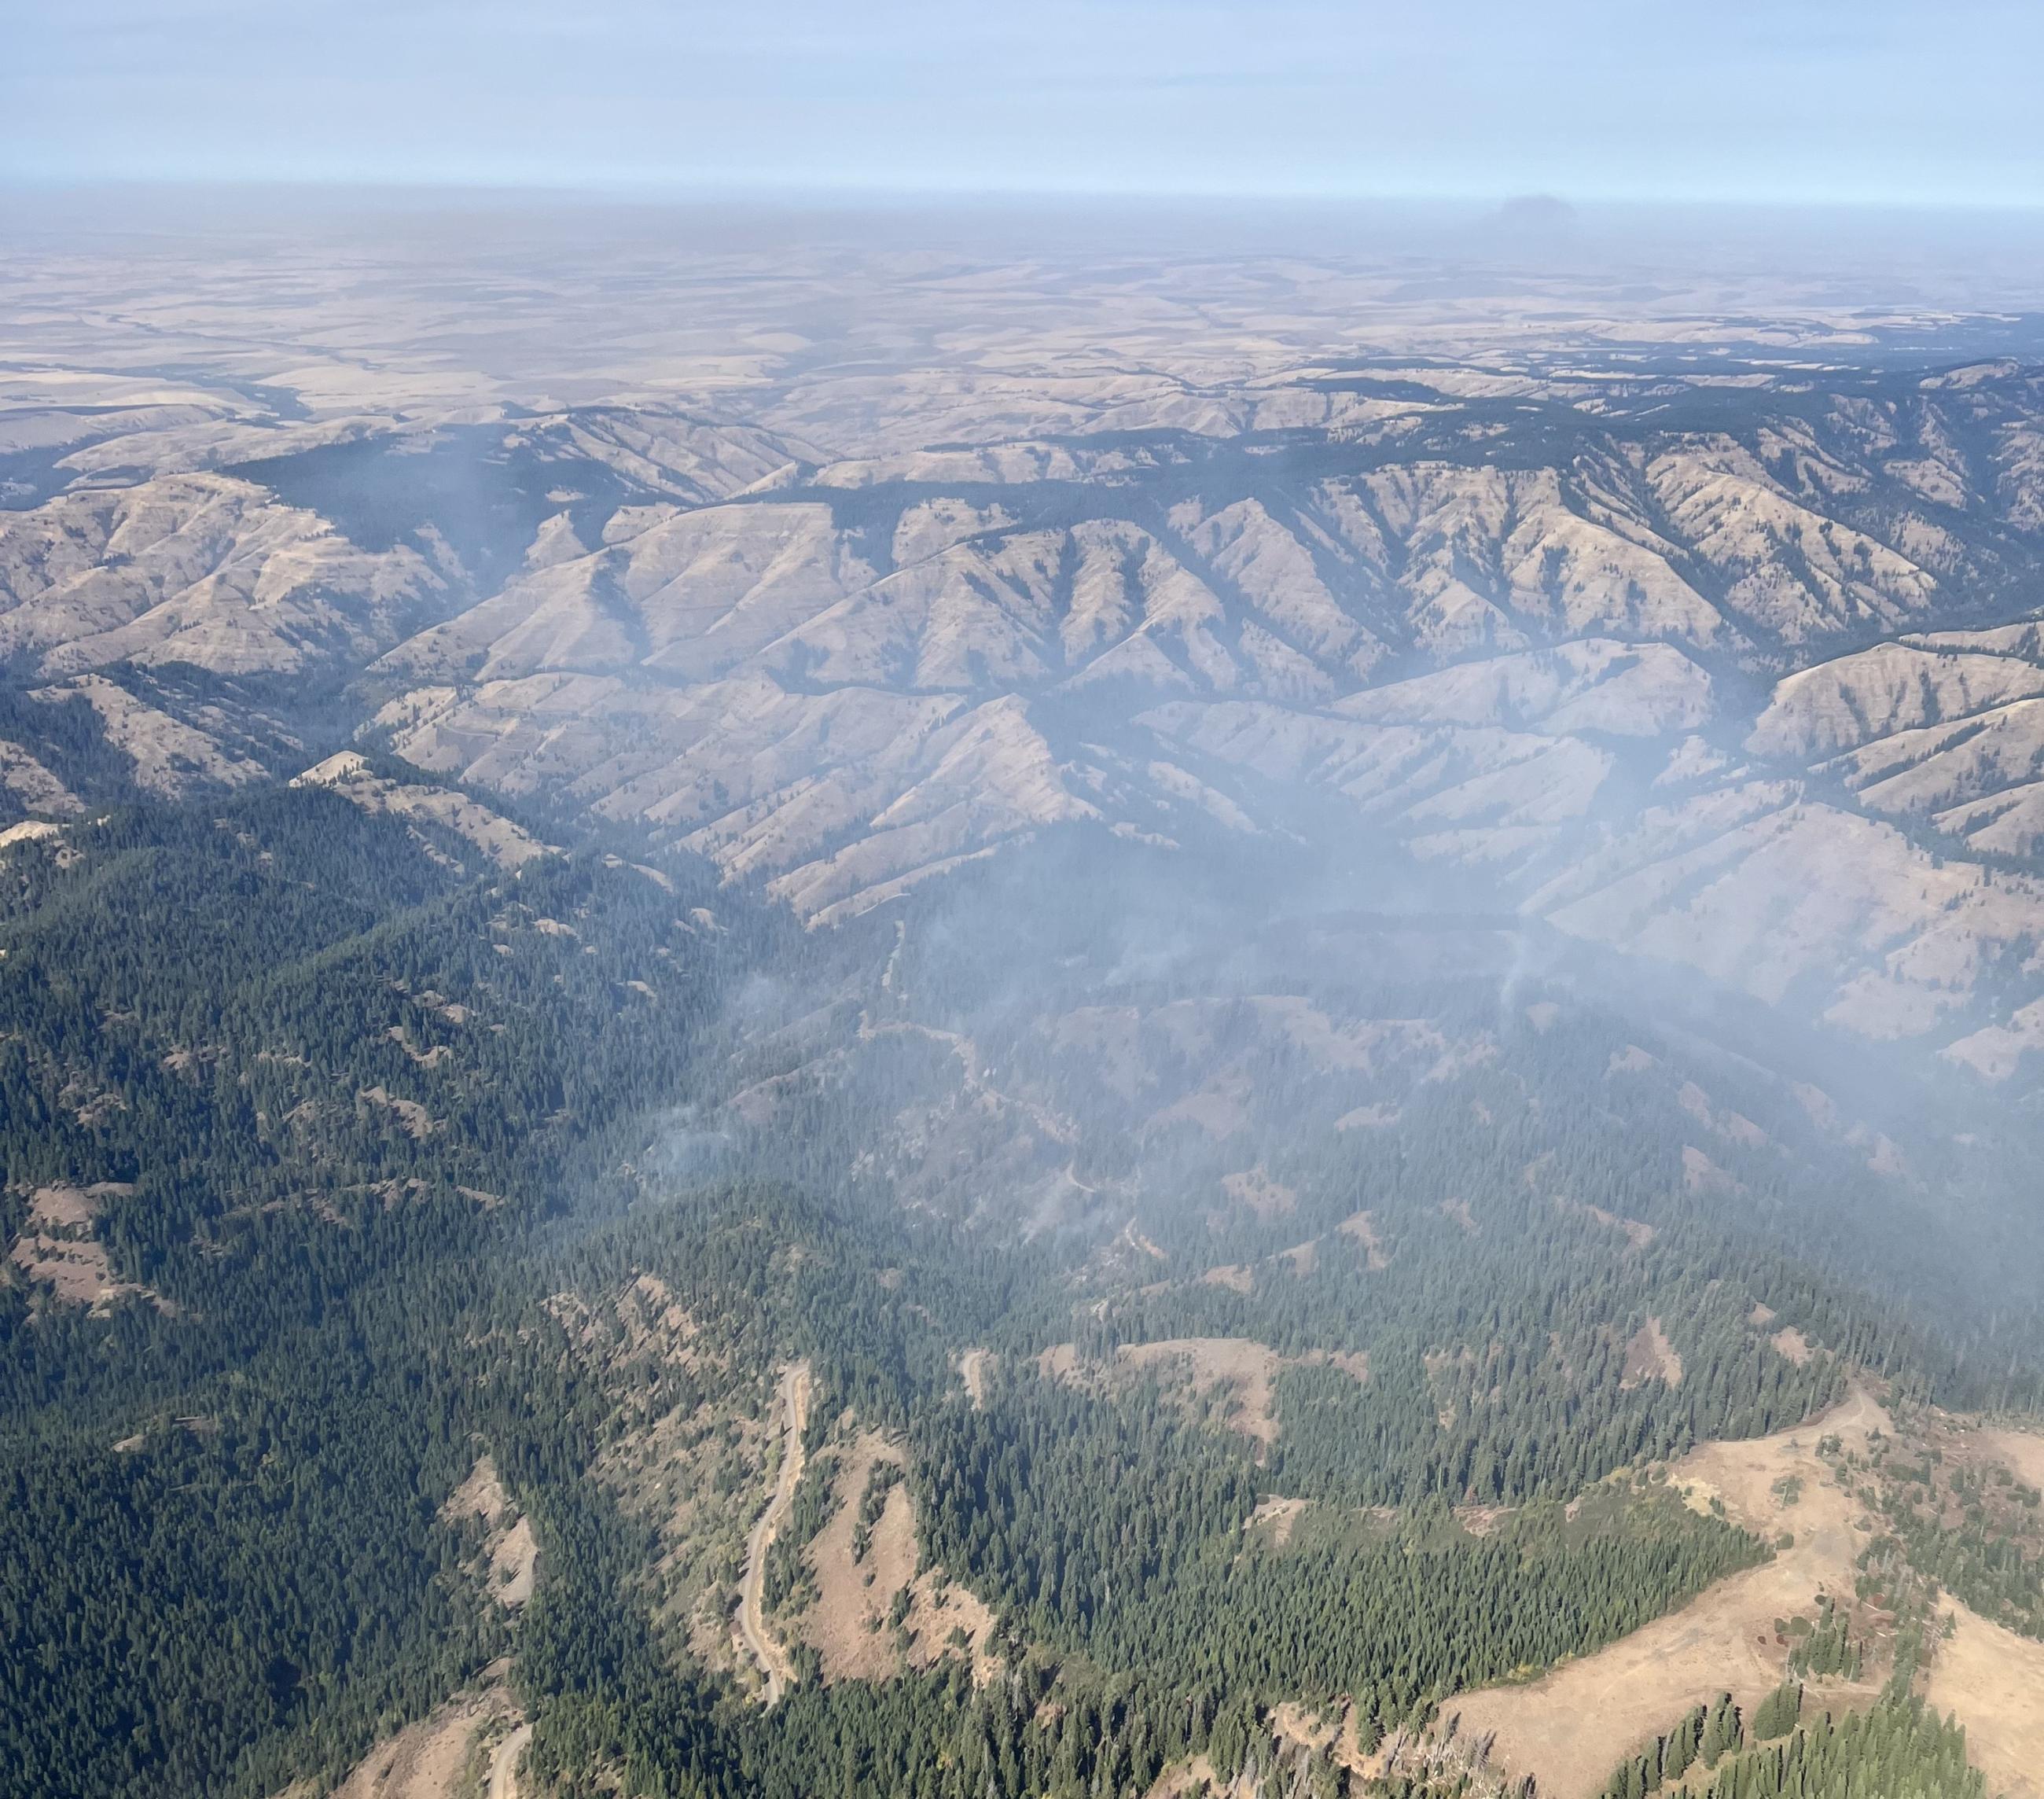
<point x="1857" y="101"/>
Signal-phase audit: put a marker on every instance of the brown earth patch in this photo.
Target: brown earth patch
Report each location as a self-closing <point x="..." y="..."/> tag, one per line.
<point x="1700" y="1175"/>
<point x="1278" y="1518"/>
<point x="847" y="1625"/>
<point x="1458" y="1210"/>
<point x="1368" y="1118"/>
<point x="1790" y="1342"/>
<point x="1135" y="1239"/>
<point x="1210" y="1362"/>
<point x="650" y="1317"/>
<point x="1302" y="1258"/>
<point x="1249" y="1367"/>
<point x="514" y="1566"/>
<point x="1570" y="1729"/>
<point x="939" y="1610"/>
<point x="416" y="1121"/>
<point x="1649" y="1356"/>
<point x="1437" y="1362"/>
<point x="683" y="1472"/>
<point x="1353" y="1362"/>
<point x="78" y="1271"/>
<point x="1362" y="1227"/>
<point x="1231" y="1275"/>
<point x="1993" y="1680"/>
<point x="1195" y="1776"/>
<point x="1294" y="1724"/>
<point x="481" y="1496"/>
<point x="1253" y="1188"/>
<point x="424" y="1058"/>
<point x="67" y="1209"/>
<point x="1059" y="1363"/>
<point x="858" y="1594"/>
<point x="1244" y="1370"/>
<point x="61" y="1251"/>
<point x="1213" y="1361"/>
<point x="1637" y="1233"/>
<point x="1299" y="1730"/>
<point x="2023" y="1451"/>
<point x="445" y="1756"/>
<point x="1821" y="1109"/>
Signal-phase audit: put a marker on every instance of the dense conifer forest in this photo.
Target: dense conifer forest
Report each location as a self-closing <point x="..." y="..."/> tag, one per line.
<point x="353" y="1146"/>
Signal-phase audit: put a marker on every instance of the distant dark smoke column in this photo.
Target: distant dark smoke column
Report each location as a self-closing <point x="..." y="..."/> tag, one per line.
<point x="1533" y="220"/>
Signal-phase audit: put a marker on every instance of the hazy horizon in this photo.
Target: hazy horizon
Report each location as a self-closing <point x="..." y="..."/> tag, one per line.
<point x="1197" y="97"/>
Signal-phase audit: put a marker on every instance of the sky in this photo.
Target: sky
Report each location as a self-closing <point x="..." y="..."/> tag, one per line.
<point x="1854" y="102"/>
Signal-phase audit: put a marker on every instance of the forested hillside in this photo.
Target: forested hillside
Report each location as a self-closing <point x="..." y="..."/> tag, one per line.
<point x="406" y="1241"/>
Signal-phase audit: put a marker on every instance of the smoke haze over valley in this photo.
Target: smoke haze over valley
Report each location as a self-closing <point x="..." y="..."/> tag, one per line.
<point x="822" y="987"/>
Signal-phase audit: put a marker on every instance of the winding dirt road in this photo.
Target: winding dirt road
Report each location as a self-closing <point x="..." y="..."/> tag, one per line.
<point x="504" y="1763"/>
<point x="772" y="1657"/>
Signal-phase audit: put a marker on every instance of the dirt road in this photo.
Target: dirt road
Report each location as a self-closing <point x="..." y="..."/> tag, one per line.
<point x="504" y="1763"/>
<point x="793" y="1403"/>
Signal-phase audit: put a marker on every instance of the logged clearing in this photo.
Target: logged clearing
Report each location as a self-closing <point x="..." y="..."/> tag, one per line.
<point x="416" y="1121"/>
<point x="1993" y="1680"/>
<point x="1571" y="1728"/>
<point x="847" y="1625"/>
<point x="1700" y="1175"/>
<point x="1220" y="1109"/>
<point x="1296" y="1724"/>
<point x="1059" y="1363"/>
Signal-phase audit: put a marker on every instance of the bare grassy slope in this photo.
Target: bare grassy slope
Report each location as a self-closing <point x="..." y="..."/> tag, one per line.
<point x="1571" y="1728"/>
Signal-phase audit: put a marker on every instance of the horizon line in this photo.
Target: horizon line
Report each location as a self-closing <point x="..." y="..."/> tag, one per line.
<point x="846" y="195"/>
